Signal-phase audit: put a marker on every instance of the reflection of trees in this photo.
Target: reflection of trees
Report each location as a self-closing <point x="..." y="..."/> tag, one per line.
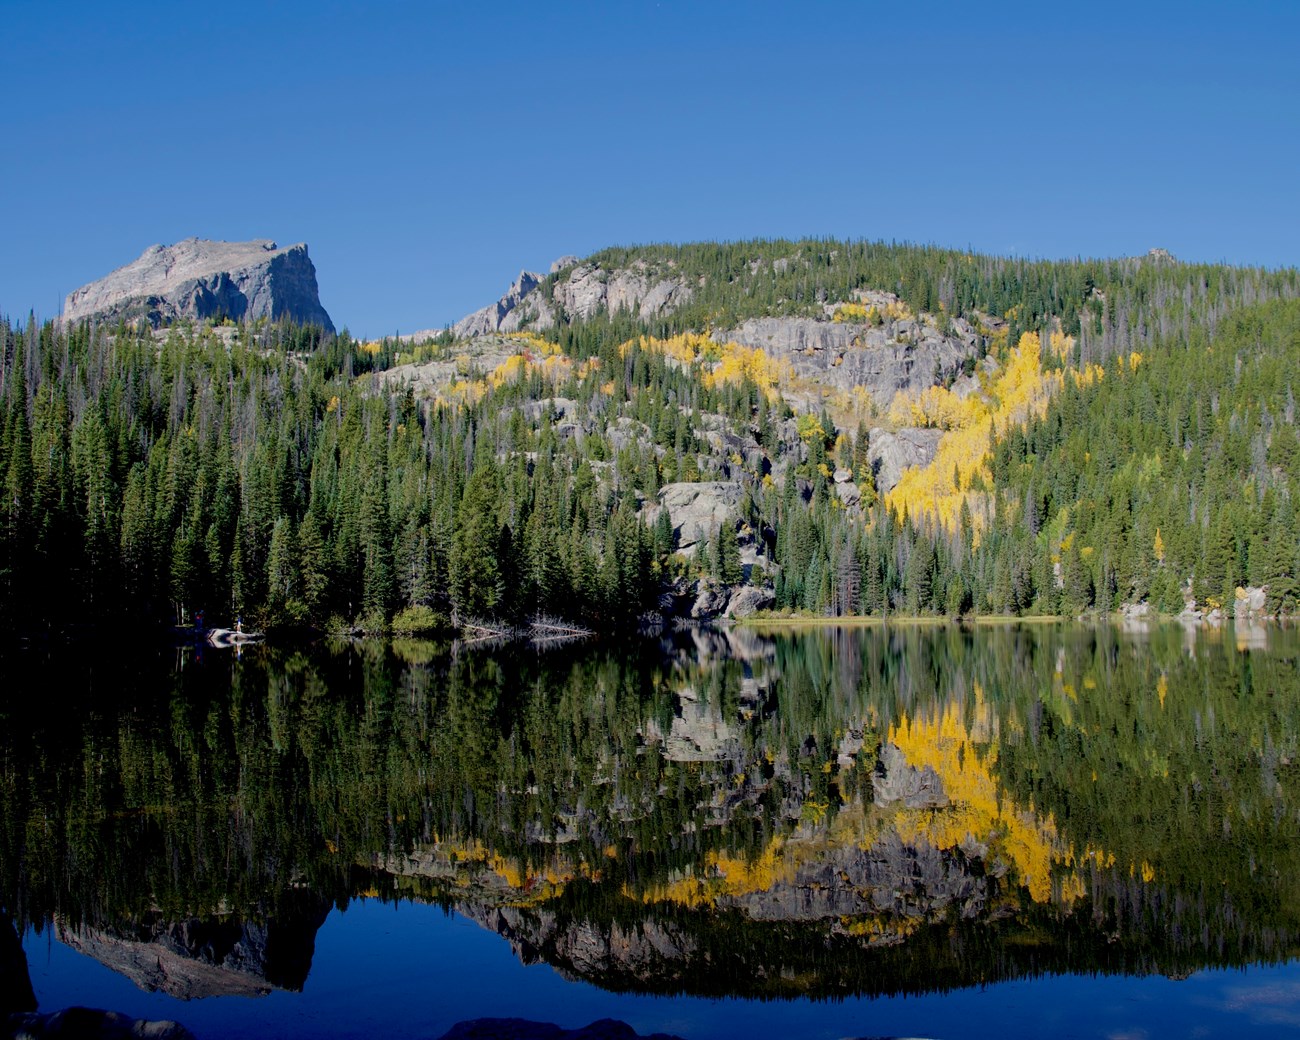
<point x="1025" y="799"/>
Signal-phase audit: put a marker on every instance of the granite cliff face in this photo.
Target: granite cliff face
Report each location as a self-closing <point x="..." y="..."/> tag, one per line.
<point x="896" y="351"/>
<point x="199" y="279"/>
<point x="580" y="291"/>
<point x="906" y="355"/>
<point x="503" y="316"/>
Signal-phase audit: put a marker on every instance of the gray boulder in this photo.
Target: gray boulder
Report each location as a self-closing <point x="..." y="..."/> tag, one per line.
<point x="710" y="601"/>
<point x="747" y="599"/>
<point x="200" y="279"/>
<point x="849" y="494"/>
<point x="1251" y="602"/>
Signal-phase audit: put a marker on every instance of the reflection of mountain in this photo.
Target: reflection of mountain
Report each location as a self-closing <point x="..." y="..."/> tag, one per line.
<point x="877" y="810"/>
<point x="208" y="957"/>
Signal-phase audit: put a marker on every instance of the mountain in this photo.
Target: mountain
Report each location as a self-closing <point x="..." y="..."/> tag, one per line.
<point x="201" y="279"/>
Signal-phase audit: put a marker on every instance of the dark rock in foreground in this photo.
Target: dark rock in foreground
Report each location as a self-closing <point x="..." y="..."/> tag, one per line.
<point x="201" y="279"/>
<point x="91" y="1024"/>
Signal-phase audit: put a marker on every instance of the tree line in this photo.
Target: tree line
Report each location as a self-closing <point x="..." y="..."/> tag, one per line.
<point x="278" y="473"/>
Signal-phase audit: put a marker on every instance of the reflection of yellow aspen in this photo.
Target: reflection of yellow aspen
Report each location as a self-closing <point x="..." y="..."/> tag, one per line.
<point x="978" y="808"/>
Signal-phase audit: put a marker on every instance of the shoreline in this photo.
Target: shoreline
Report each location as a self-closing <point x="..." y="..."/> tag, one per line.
<point x="990" y="620"/>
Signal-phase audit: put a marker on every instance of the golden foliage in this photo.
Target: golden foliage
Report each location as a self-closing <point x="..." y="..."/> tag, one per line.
<point x="722" y="363"/>
<point x="1018" y="390"/>
<point x="855" y="312"/>
<point x="810" y="428"/>
<point x="535" y="344"/>
<point x="720" y="875"/>
<point x="978" y="808"/>
<point x="536" y="356"/>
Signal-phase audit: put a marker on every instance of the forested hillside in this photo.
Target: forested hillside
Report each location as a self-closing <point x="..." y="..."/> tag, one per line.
<point x="1081" y="434"/>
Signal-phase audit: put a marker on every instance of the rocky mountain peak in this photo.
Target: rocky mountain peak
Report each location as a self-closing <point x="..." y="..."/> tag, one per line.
<point x="203" y="279"/>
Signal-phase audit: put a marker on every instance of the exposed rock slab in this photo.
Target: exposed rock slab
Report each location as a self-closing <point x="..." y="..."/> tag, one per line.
<point x="502" y="316"/>
<point x="176" y="964"/>
<point x="580" y="291"/>
<point x="892" y="452"/>
<point x="697" y="510"/>
<point x="698" y="732"/>
<point x="588" y="289"/>
<point x="1250" y="602"/>
<point x="907" y="355"/>
<point x="201" y="279"/>
<point x="477" y="359"/>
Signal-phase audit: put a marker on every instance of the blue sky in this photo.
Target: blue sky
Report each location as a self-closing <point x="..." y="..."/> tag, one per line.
<point x="428" y="151"/>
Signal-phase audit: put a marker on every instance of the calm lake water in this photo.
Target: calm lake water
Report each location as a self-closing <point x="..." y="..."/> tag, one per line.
<point x="907" y="831"/>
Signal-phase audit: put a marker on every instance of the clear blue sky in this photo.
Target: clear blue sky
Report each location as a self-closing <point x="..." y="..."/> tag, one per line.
<point x="428" y="151"/>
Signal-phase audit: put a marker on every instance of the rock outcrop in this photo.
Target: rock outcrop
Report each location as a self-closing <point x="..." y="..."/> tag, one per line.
<point x="698" y="732"/>
<point x="201" y="279"/>
<point x="179" y="960"/>
<point x="588" y="290"/>
<point x="697" y="510"/>
<point x="897" y="780"/>
<point x="580" y="291"/>
<point x="908" y="355"/>
<point x="503" y="316"/>
<point x="748" y="599"/>
<point x="1250" y="602"/>
<point x="892" y="452"/>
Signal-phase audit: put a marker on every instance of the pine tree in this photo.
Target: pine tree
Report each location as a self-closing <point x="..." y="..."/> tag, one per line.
<point x="475" y="571"/>
<point x="729" y="570"/>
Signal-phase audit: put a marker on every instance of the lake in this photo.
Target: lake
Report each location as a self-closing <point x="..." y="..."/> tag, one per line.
<point x="834" y="832"/>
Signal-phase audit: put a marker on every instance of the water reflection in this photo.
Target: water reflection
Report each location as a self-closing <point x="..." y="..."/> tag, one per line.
<point x="838" y="811"/>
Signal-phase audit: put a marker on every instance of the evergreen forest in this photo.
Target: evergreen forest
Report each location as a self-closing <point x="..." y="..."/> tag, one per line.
<point x="1131" y="437"/>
